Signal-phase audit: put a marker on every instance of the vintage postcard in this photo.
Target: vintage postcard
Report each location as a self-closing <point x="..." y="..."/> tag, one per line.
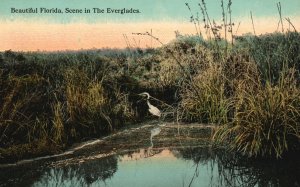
<point x="143" y="93"/>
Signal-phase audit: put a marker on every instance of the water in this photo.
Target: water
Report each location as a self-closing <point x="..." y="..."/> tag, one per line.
<point x="159" y="159"/>
<point x="160" y="169"/>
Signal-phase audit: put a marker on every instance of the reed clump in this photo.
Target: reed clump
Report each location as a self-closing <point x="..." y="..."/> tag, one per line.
<point x="205" y="101"/>
<point x="254" y="102"/>
<point x="85" y="99"/>
<point x="265" y="122"/>
<point x="250" y="87"/>
<point x="272" y="52"/>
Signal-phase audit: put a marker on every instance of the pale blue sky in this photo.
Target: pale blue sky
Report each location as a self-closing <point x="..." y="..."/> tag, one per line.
<point x="151" y="10"/>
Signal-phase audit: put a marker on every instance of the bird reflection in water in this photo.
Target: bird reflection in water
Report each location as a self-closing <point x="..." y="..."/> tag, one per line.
<point x="154" y="132"/>
<point x="149" y="152"/>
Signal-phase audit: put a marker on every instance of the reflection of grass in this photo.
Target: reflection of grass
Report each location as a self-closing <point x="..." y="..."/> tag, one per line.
<point x="236" y="170"/>
<point x="230" y="169"/>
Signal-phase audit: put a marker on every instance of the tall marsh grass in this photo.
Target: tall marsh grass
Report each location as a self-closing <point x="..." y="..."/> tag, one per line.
<point x="265" y="122"/>
<point x="254" y="101"/>
<point x="250" y="87"/>
<point x="59" y="98"/>
<point x="206" y="101"/>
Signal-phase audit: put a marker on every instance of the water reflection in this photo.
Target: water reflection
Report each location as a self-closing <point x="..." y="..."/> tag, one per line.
<point x="235" y="170"/>
<point x="149" y="151"/>
<point x="167" y="167"/>
<point x="81" y="174"/>
<point x="266" y="172"/>
<point x="154" y="132"/>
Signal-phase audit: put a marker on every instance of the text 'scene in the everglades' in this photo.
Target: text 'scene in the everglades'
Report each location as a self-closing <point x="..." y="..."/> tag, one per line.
<point x="97" y="10"/>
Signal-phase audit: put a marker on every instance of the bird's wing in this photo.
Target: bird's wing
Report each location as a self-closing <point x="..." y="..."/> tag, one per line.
<point x="155" y="111"/>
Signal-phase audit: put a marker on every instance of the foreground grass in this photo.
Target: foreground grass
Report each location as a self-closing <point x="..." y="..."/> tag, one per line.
<point x="250" y="90"/>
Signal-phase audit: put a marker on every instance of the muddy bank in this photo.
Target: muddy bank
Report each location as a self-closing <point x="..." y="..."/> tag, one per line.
<point x="171" y="135"/>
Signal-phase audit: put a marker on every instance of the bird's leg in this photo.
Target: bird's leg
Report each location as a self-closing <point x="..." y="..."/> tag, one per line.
<point x="159" y="121"/>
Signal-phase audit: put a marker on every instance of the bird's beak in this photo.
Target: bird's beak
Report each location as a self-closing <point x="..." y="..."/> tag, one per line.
<point x="141" y="99"/>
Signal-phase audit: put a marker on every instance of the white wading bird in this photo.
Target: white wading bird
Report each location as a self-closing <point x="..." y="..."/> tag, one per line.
<point x="152" y="109"/>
